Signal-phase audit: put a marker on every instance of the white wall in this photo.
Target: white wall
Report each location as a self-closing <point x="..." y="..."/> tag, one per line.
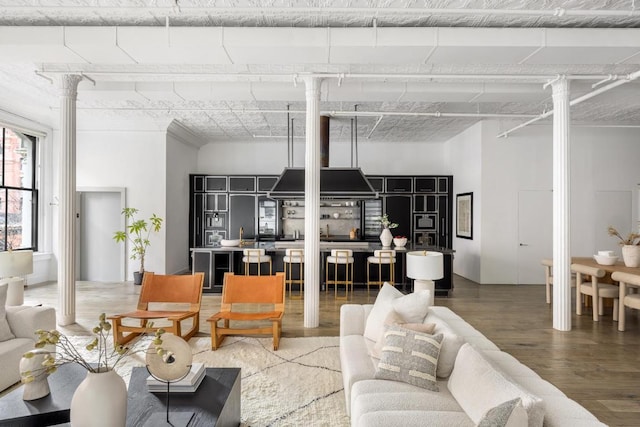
<point x="464" y="152"/>
<point x="270" y="157"/>
<point x="602" y="159"/>
<point x="135" y="160"/>
<point x="181" y="161"/>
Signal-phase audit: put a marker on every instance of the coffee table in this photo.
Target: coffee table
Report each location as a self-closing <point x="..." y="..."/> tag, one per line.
<point x="216" y="402"/>
<point x="50" y="410"/>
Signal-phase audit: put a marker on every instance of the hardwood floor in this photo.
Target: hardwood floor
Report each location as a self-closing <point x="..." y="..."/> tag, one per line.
<point x="594" y="364"/>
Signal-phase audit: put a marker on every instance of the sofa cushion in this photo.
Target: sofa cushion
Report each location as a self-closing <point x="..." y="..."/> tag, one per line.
<point x="507" y="414"/>
<point x="412" y="307"/>
<point x="5" y="330"/>
<point x="478" y="387"/>
<point x="409" y="356"/>
<point x="393" y="318"/>
<point x="450" y="345"/>
<point x="414" y="419"/>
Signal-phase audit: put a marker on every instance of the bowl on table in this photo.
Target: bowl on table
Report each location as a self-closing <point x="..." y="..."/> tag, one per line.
<point x="400" y="241"/>
<point x="605" y="260"/>
<point x="234" y="242"/>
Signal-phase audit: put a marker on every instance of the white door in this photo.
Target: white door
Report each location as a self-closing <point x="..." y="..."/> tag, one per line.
<point x="535" y="234"/>
<point x="99" y="256"/>
<point x="612" y="208"/>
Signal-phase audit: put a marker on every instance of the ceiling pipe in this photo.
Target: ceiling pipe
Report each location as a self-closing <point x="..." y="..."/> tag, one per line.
<point x="626" y="79"/>
<point x="375" y="126"/>
<point x="359" y="11"/>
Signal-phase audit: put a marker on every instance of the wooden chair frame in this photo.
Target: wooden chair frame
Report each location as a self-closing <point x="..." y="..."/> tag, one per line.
<point x="179" y="289"/>
<point x="595" y="290"/>
<point x="629" y="296"/>
<point x="257" y="290"/>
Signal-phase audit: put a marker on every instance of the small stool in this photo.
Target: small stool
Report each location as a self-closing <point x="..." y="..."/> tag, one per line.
<point x="291" y="257"/>
<point x="380" y="258"/>
<point x="340" y="257"/>
<point x="255" y="256"/>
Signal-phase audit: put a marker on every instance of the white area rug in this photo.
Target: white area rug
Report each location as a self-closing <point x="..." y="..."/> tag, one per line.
<point x="300" y="384"/>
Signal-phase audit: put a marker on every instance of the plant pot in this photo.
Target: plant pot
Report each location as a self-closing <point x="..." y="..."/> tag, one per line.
<point x="137" y="278"/>
<point x="100" y="401"/>
<point x="631" y="255"/>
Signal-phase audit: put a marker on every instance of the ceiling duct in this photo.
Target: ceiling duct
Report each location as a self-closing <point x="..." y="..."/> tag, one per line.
<point x="335" y="183"/>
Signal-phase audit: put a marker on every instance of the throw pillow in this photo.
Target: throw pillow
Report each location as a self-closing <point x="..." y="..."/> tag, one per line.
<point x="5" y="330"/>
<point x="507" y="414"/>
<point x="410" y="357"/>
<point x="393" y="318"/>
<point x="412" y="307"/>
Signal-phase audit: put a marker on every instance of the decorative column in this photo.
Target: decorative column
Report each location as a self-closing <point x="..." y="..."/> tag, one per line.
<point x="561" y="207"/>
<point x="312" y="205"/>
<point x="68" y="85"/>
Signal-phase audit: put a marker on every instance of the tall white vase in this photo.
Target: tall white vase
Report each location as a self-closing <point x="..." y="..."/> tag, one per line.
<point x="631" y="255"/>
<point x="100" y="401"/>
<point x="386" y="237"/>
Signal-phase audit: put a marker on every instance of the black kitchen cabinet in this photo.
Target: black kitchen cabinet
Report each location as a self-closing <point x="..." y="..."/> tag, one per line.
<point x="398" y="184"/>
<point x="398" y="208"/>
<point x="196" y="218"/>
<point x="197" y="183"/>
<point x="215" y="183"/>
<point x="377" y="182"/>
<point x="242" y="213"/>
<point x="266" y="183"/>
<point x="244" y="184"/>
<point x="426" y="184"/>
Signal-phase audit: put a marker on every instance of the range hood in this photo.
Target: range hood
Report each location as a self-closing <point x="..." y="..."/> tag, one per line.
<point x="335" y="183"/>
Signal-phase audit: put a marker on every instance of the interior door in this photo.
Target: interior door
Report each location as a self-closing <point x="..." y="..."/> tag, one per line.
<point x="535" y="234"/>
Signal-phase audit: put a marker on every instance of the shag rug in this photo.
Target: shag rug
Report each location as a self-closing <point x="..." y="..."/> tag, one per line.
<point x="300" y="384"/>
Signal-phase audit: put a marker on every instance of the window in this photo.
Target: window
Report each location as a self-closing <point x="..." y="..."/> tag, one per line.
<point x="18" y="195"/>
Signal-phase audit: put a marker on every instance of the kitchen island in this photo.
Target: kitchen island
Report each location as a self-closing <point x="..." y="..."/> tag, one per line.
<point x="217" y="260"/>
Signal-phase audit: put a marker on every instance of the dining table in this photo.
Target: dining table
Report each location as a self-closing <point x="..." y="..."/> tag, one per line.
<point x="618" y="266"/>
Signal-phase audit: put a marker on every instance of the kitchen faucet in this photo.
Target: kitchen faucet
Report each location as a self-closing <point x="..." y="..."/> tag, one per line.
<point x="241" y="232"/>
<point x="327" y="230"/>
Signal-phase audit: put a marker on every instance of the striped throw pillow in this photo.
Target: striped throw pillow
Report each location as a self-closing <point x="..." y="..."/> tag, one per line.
<point x="410" y="357"/>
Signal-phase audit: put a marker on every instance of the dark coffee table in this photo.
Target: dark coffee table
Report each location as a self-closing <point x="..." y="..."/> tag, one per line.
<point x="50" y="410"/>
<point x="216" y="402"/>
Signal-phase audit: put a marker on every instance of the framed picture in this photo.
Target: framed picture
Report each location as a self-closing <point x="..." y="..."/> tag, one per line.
<point x="464" y="218"/>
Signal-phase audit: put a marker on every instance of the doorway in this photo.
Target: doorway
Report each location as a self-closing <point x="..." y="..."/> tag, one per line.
<point x="535" y="234"/>
<point x="99" y="258"/>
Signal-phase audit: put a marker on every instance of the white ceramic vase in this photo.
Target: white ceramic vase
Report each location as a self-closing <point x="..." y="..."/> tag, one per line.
<point x="100" y="401"/>
<point x="386" y="237"/>
<point x="631" y="255"/>
<point x="39" y="387"/>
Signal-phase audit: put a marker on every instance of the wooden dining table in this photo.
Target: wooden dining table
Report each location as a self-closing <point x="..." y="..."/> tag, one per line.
<point x="618" y="266"/>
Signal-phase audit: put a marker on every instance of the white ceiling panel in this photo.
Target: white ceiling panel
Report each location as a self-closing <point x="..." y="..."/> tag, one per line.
<point x="173" y="45"/>
<point x="108" y="91"/>
<point x="97" y="45"/>
<point x="276" y="45"/>
<point x="35" y="45"/>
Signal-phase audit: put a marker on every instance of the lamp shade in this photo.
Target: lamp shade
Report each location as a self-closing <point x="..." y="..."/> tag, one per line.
<point x="16" y="263"/>
<point x="425" y="265"/>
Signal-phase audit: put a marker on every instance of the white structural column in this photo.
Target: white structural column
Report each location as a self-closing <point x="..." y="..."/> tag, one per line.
<point x="68" y="85"/>
<point x="312" y="205"/>
<point x="561" y="207"/>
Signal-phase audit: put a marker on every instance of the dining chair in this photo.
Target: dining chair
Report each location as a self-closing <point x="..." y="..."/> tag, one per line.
<point x="629" y="294"/>
<point x="548" y="277"/>
<point x="587" y="284"/>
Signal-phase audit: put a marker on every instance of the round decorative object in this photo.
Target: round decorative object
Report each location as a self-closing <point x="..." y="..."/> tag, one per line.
<point x="631" y="255"/>
<point x="39" y="387"/>
<point x="100" y="401"/>
<point x="400" y="241"/>
<point x="336" y="215"/>
<point x="386" y="237"/>
<point x="174" y="364"/>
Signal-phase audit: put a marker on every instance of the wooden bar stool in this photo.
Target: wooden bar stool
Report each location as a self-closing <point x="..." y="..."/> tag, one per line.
<point x="380" y="258"/>
<point x="291" y="258"/>
<point x="340" y="257"/>
<point x="255" y="256"/>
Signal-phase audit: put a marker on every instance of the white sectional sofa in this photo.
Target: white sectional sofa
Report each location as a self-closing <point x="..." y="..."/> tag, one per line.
<point x="481" y="377"/>
<point x="23" y="321"/>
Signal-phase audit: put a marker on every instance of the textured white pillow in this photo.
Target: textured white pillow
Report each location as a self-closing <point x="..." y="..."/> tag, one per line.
<point x="5" y="330"/>
<point x="507" y="414"/>
<point x="477" y="387"/>
<point x="412" y="308"/>
<point x="450" y="345"/>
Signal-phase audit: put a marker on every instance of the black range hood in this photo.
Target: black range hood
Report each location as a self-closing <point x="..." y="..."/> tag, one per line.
<point x="335" y="183"/>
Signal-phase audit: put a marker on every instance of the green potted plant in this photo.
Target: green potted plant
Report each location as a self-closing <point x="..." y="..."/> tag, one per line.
<point x="137" y="232"/>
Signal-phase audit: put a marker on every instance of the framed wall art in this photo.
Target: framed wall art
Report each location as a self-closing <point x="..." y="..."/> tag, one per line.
<point x="464" y="215"/>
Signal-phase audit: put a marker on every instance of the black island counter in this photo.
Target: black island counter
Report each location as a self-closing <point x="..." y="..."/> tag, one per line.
<point x="216" y="260"/>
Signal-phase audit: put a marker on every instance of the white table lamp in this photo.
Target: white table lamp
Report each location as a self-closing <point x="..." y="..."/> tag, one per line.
<point x="425" y="267"/>
<point x="14" y="265"/>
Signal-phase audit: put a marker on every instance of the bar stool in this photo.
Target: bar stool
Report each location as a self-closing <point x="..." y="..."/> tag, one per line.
<point x="340" y="257"/>
<point x="380" y="258"/>
<point x="255" y="256"/>
<point x="292" y="257"/>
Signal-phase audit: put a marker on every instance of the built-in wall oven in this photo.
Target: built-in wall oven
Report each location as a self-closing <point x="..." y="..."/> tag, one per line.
<point x="425" y="228"/>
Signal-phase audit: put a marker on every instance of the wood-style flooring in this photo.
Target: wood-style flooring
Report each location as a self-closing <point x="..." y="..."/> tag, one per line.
<point x="594" y="364"/>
